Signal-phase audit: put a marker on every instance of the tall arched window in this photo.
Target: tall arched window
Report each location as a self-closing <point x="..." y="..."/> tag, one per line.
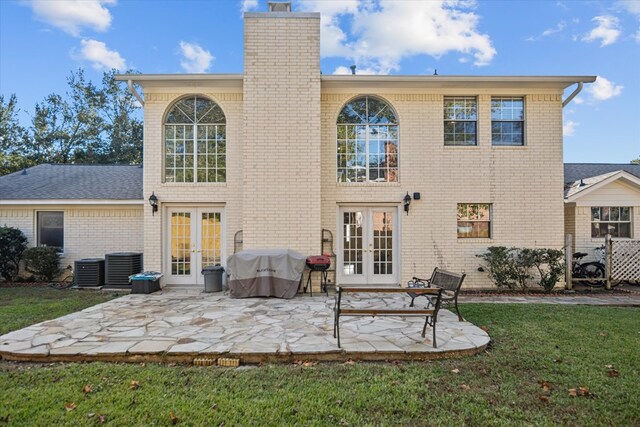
<point x="195" y="142"/>
<point x="367" y="141"/>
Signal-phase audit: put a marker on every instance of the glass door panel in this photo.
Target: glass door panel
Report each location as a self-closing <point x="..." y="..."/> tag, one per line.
<point x="383" y="246"/>
<point x="181" y="243"/>
<point x="352" y="245"/>
<point x="210" y="229"/>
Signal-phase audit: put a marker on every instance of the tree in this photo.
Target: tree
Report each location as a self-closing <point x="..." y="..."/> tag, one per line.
<point x="12" y="136"/>
<point x="636" y="161"/>
<point x="63" y="129"/>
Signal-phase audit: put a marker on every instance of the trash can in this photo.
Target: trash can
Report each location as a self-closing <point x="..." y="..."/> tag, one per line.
<point x="213" y="278"/>
<point x="145" y="283"/>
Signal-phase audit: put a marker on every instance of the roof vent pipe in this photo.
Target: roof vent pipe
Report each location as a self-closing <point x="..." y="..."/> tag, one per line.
<point x="353" y="70"/>
<point x="277" y="6"/>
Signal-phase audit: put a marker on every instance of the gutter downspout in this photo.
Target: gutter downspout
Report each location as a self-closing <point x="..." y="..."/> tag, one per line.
<point x="573" y="95"/>
<point x="135" y="93"/>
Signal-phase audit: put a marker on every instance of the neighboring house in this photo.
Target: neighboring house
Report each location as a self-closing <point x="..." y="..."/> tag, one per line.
<point x="601" y="199"/>
<point x="272" y="157"/>
<point x="86" y="210"/>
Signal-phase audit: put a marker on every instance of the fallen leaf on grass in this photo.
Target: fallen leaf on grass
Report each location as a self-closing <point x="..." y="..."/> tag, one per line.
<point x="465" y="387"/>
<point x="213" y="406"/>
<point x="69" y="406"/>
<point x="309" y="363"/>
<point x="544" y="399"/>
<point x="581" y="391"/>
<point x="455" y="371"/>
<point x="134" y="385"/>
<point x="609" y="366"/>
<point x="603" y="334"/>
<point x="87" y="389"/>
<point x="613" y="373"/>
<point x="102" y="419"/>
<point x="349" y="362"/>
<point x="545" y="385"/>
<point x="173" y="418"/>
<point x="91" y="415"/>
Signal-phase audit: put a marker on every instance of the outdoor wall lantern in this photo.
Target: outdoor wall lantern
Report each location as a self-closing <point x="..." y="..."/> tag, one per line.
<point x="407" y="203"/>
<point x="153" y="201"/>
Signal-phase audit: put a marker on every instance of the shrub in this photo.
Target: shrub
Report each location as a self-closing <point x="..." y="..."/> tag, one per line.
<point x="498" y="260"/>
<point x="512" y="268"/>
<point x="12" y="244"/>
<point x="550" y="265"/>
<point x="43" y="262"/>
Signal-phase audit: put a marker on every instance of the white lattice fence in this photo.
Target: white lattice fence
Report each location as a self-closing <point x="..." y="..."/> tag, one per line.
<point x="625" y="260"/>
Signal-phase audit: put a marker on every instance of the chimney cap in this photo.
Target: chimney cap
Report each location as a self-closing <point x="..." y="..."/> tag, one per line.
<point x="279" y="6"/>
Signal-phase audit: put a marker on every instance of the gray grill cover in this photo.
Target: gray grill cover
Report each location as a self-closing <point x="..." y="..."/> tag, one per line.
<point x="265" y="273"/>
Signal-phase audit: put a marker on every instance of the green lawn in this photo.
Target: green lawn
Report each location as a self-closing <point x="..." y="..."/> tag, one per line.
<point x="568" y="347"/>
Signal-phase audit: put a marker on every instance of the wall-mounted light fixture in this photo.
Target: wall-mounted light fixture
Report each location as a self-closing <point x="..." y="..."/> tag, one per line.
<point x="153" y="201"/>
<point x="407" y="203"/>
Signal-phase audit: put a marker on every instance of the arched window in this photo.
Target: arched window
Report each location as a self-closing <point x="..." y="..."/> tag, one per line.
<point x="367" y="141"/>
<point x="195" y="142"/>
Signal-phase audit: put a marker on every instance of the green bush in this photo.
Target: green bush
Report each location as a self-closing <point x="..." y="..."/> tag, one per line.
<point x="43" y="262"/>
<point x="12" y="244"/>
<point x="550" y="265"/>
<point x="498" y="260"/>
<point x="513" y="268"/>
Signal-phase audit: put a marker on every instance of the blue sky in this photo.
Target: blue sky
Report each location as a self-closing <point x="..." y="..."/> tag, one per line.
<point x="42" y="41"/>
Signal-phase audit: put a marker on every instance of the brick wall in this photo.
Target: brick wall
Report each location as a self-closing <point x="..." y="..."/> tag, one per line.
<point x="89" y="231"/>
<point x="523" y="184"/>
<point x="281" y="153"/>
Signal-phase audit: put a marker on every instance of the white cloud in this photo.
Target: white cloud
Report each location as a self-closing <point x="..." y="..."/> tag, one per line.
<point x="631" y="6"/>
<point x="72" y="16"/>
<point x="100" y="56"/>
<point x="607" y="30"/>
<point x="383" y="32"/>
<point x="603" y="89"/>
<point x="549" y="31"/>
<point x="578" y="100"/>
<point x="636" y="36"/>
<point x="248" y="5"/>
<point x="569" y="128"/>
<point x="195" y="58"/>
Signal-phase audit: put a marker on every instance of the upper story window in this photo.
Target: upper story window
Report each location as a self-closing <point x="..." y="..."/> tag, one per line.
<point x="50" y="228"/>
<point x="610" y="220"/>
<point x="367" y="141"/>
<point x="507" y="120"/>
<point x="460" y="120"/>
<point x="195" y="142"/>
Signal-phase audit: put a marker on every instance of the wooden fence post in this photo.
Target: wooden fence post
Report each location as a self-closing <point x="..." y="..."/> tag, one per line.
<point x="568" y="261"/>
<point x="607" y="260"/>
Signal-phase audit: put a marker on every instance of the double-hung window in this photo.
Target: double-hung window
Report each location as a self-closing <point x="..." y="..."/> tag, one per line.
<point x="460" y="120"/>
<point x="474" y="220"/>
<point x="367" y="145"/>
<point x="507" y="120"/>
<point x="50" y="229"/>
<point x="195" y="142"/>
<point x="610" y="220"/>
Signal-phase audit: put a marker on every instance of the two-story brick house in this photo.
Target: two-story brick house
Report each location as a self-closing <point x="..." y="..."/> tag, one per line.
<point x="274" y="156"/>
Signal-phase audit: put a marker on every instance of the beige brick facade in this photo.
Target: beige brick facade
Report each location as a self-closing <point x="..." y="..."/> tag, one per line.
<point x="281" y="188"/>
<point x="90" y="231"/>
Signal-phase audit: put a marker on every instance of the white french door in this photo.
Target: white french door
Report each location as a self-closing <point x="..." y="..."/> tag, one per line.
<point x="194" y="240"/>
<point x="368" y="253"/>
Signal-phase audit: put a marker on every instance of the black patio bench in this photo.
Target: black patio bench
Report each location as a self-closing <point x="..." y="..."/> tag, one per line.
<point x="449" y="282"/>
<point x="430" y="314"/>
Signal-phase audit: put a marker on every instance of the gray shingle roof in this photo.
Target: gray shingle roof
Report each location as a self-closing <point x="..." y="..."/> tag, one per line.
<point x="117" y="182"/>
<point x="577" y="171"/>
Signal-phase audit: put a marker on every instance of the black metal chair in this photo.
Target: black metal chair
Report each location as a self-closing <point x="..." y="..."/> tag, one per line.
<point x="449" y="282"/>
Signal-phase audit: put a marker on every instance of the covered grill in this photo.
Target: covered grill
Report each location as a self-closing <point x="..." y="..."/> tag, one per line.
<point x="265" y="273"/>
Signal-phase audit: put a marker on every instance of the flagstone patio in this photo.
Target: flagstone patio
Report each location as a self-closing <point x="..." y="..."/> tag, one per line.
<point x="177" y="325"/>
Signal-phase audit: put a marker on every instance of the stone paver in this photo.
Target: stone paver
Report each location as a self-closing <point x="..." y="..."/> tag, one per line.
<point x="177" y="322"/>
